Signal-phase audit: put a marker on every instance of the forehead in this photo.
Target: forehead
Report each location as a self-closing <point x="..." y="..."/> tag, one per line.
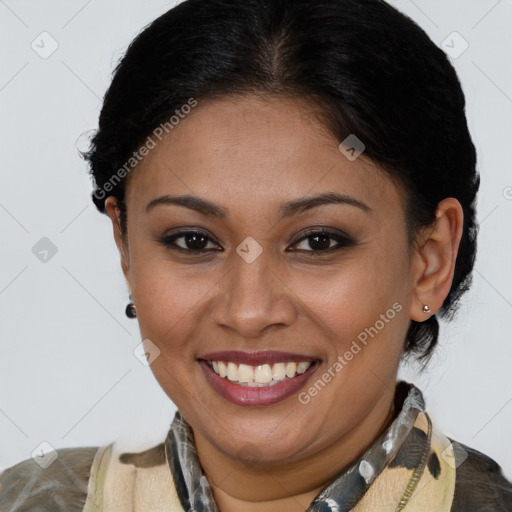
<point x="263" y="149"/>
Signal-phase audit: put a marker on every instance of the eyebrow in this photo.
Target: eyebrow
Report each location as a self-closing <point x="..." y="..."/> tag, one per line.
<point x="287" y="209"/>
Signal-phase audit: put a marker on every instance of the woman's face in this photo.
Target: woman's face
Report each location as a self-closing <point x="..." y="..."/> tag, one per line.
<point x="340" y="300"/>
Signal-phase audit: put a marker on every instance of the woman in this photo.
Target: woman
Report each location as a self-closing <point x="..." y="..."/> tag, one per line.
<point x="292" y="189"/>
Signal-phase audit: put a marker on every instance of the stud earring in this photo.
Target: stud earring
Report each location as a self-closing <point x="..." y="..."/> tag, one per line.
<point x="130" y="310"/>
<point x="426" y="309"/>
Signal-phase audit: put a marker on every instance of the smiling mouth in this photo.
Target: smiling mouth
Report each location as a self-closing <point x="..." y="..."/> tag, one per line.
<point x="263" y="375"/>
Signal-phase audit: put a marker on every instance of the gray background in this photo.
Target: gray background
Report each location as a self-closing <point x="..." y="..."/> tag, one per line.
<point x="68" y="375"/>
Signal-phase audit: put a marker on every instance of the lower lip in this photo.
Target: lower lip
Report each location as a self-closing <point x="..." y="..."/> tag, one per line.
<point x="245" y="395"/>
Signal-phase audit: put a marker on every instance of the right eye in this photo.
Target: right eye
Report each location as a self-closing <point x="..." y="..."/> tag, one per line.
<point x="194" y="242"/>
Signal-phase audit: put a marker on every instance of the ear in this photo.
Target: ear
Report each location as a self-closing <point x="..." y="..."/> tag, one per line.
<point x="113" y="211"/>
<point x="435" y="258"/>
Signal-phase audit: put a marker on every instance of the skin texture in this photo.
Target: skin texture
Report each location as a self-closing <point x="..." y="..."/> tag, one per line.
<point x="249" y="155"/>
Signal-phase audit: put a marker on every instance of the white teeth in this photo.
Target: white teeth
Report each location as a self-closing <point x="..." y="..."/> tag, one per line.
<point x="279" y="371"/>
<point x="245" y="373"/>
<point x="263" y="374"/>
<point x="302" y="367"/>
<point x="222" y="369"/>
<point x="232" y="371"/>
<point x="290" y="369"/>
<point x="259" y="376"/>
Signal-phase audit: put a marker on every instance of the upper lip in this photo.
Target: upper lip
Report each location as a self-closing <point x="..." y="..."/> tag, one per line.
<point x="256" y="358"/>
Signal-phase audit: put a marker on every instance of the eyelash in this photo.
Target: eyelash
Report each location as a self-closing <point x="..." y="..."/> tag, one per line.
<point x="343" y="241"/>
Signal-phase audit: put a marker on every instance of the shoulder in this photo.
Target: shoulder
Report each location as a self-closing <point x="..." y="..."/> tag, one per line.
<point x="60" y="486"/>
<point x="480" y="484"/>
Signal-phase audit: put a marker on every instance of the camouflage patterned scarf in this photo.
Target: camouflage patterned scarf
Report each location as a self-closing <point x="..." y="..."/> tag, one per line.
<point x="411" y="463"/>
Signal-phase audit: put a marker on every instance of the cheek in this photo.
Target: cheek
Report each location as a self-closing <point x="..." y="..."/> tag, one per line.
<point x="167" y="313"/>
<point x="363" y="299"/>
<point x="169" y="298"/>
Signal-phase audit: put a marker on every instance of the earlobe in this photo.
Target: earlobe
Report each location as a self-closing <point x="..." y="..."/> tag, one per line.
<point x="436" y="259"/>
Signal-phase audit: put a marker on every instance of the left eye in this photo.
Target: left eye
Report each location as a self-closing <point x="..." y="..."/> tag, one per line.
<point x="320" y="241"/>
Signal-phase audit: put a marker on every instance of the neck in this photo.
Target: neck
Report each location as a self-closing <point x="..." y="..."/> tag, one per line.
<point x="288" y="486"/>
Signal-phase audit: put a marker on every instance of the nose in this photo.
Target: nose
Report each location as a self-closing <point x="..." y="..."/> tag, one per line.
<point x="254" y="296"/>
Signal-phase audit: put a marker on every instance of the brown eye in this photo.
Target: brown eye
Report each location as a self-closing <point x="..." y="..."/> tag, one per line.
<point x="194" y="241"/>
<point x="321" y="241"/>
<point x="190" y="241"/>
